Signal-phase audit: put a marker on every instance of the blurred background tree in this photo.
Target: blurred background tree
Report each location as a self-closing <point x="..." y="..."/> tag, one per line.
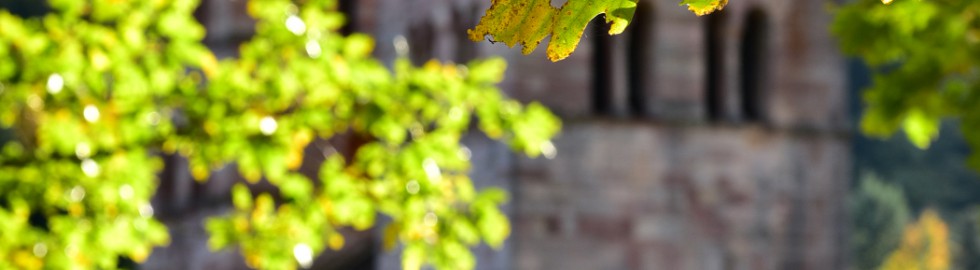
<point x="880" y="214"/>
<point x="924" y="60"/>
<point x="921" y="58"/>
<point x="924" y="245"/>
<point x="93" y="92"/>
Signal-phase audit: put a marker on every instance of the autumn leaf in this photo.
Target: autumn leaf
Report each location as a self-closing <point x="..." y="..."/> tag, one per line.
<point x="925" y="245"/>
<point x="528" y="22"/>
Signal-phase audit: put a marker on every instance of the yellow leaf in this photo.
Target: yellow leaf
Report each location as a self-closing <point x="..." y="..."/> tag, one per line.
<point x="209" y="64"/>
<point x="26" y="260"/>
<point x="139" y="254"/>
<point x="704" y="7"/>
<point x="390" y="236"/>
<point x="200" y="172"/>
<point x="297" y="145"/>
<point x="98" y="59"/>
<point x="336" y="241"/>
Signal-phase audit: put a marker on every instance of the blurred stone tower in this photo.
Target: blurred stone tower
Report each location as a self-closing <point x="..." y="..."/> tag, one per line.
<point x="716" y="142"/>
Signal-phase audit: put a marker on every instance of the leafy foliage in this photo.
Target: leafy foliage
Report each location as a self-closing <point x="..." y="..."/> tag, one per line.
<point x="528" y="22"/>
<point x="93" y="91"/>
<point x="937" y="177"/>
<point x="925" y="60"/>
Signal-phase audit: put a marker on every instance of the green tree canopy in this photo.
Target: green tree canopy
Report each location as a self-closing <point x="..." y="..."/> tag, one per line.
<point x="878" y="216"/>
<point x="925" y="57"/>
<point x="92" y="93"/>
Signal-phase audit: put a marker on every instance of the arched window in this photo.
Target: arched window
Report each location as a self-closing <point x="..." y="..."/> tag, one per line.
<point x="421" y="39"/>
<point x="714" y="66"/>
<point x="753" y="72"/>
<point x="464" y="17"/>
<point x="602" y="65"/>
<point x="350" y="9"/>
<point x="622" y="65"/>
<point x="640" y="60"/>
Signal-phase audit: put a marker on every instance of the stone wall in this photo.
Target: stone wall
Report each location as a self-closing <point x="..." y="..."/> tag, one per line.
<point x="634" y="195"/>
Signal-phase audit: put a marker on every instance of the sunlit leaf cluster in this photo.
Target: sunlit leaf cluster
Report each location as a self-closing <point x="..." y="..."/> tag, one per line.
<point x="528" y="22"/>
<point x="925" y="58"/>
<point x="94" y="91"/>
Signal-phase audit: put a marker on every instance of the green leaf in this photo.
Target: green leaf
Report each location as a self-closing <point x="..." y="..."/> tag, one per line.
<point x="413" y="256"/>
<point x="487" y="71"/>
<point x="219" y="230"/>
<point x="920" y="128"/>
<point x="297" y="187"/>
<point x="493" y="226"/>
<point x="465" y="232"/>
<point x="459" y="256"/>
<point x="492" y="196"/>
<point x="358" y="45"/>
<point x="241" y="197"/>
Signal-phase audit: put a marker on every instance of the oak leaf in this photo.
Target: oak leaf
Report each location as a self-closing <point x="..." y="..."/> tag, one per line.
<point x="528" y="22"/>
